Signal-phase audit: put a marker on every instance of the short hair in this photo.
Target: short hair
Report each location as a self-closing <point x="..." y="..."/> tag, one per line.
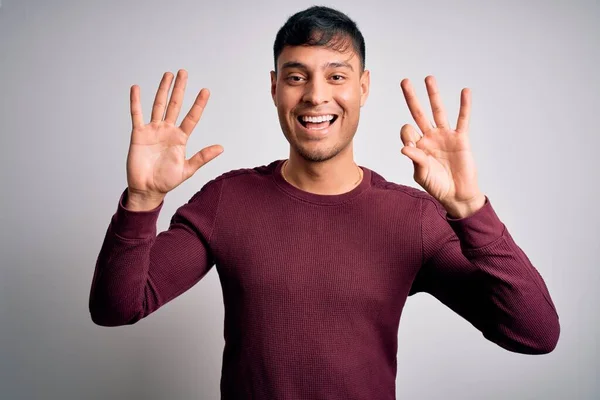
<point x="320" y="26"/>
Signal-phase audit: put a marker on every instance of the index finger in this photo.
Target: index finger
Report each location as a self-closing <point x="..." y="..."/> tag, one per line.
<point x="137" y="119"/>
<point x="193" y="116"/>
<point x="413" y="105"/>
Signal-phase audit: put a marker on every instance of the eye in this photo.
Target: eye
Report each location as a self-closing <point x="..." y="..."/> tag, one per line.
<point x="338" y="78"/>
<point x="294" y="78"/>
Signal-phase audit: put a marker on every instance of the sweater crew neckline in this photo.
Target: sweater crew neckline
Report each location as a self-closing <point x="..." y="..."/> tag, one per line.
<point x="327" y="199"/>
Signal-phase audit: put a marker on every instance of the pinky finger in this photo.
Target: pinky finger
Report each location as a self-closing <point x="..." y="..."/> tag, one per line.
<point x="137" y="119"/>
<point x="462" y="123"/>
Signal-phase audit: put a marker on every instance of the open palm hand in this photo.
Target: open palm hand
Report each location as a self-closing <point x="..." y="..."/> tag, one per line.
<point x="443" y="162"/>
<point x="156" y="162"/>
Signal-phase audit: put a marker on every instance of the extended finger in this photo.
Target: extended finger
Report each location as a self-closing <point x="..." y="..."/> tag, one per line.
<point x="158" y="108"/>
<point x="439" y="114"/>
<point x="409" y="134"/>
<point x="137" y="119"/>
<point x="413" y="105"/>
<point x="462" y="124"/>
<point x="193" y="116"/>
<point x="176" y="97"/>
<point x="200" y="158"/>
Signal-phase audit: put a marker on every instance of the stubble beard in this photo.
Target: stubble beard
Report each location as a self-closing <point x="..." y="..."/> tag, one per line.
<point x="320" y="154"/>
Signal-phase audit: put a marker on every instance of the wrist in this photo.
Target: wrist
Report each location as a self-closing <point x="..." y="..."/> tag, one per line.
<point x="136" y="201"/>
<point x="457" y="210"/>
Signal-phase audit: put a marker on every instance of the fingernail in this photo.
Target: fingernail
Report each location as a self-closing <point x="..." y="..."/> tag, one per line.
<point x="411" y="144"/>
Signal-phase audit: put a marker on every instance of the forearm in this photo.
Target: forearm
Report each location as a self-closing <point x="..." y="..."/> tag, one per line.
<point x="520" y="315"/>
<point x="119" y="290"/>
<point x="119" y="283"/>
<point x="138" y="271"/>
<point x="474" y="266"/>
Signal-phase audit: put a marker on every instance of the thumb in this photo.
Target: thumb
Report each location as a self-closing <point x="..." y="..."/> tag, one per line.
<point x="201" y="158"/>
<point x="417" y="156"/>
<point x="410" y="137"/>
<point x="409" y="134"/>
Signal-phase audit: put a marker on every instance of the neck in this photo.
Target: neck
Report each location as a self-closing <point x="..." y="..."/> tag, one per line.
<point x="328" y="178"/>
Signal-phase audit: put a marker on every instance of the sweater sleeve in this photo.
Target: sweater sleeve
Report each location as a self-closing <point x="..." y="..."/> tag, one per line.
<point x="138" y="271"/>
<point x="474" y="267"/>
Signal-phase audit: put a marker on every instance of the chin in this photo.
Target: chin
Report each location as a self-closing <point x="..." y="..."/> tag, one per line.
<point x="318" y="152"/>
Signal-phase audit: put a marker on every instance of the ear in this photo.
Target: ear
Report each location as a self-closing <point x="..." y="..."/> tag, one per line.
<point x="274" y="87"/>
<point x="365" y="82"/>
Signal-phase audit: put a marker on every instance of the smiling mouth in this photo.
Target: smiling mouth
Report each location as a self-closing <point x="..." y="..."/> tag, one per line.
<point x="315" y="124"/>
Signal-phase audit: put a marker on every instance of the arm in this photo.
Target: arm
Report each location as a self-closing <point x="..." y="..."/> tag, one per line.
<point x="473" y="266"/>
<point x="137" y="271"/>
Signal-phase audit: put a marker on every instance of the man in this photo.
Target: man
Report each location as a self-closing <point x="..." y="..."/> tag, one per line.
<point x="315" y="254"/>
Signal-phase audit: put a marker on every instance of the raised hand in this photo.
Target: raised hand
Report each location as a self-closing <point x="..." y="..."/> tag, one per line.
<point x="442" y="158"/>
<point x="156" y="161"/>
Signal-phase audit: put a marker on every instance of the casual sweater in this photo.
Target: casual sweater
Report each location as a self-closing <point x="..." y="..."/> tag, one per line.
<point x="314" y="285"/>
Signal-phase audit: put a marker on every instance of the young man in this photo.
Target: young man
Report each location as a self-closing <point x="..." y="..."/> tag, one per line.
<point x="316" y="255"/>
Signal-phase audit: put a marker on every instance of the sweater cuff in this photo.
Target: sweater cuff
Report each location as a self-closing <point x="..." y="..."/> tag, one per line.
<point x="130" y="224"/>
<point x="479" y="229"/>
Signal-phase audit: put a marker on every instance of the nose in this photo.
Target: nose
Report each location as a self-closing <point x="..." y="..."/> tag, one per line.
<point x="316" y="92"/>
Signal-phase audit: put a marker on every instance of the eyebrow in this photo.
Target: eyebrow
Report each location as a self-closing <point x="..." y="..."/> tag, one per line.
<point x="333" y="64"/>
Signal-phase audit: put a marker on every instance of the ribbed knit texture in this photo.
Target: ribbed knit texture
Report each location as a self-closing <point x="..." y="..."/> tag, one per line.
<point x="314" y="285"/>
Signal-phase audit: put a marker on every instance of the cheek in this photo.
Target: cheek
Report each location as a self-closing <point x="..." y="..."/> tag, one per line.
<point x="285" y="105"/>
<point x="286" y="101"/>
<point x="349" y="100"/>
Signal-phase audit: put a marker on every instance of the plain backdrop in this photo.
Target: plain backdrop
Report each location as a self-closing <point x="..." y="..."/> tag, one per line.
<point x="66" y="69"/>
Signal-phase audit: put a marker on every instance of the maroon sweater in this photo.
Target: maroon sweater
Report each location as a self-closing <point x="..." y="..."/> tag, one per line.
<point x="314" y="285"/>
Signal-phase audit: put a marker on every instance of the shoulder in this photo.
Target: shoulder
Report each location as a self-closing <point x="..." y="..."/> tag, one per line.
<point x="241" y="174"/>
<point x="236" y="176"/>
<point x="426" y="202"/>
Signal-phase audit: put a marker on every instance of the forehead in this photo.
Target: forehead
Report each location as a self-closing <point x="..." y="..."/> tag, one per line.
<point x="314" y="57"/>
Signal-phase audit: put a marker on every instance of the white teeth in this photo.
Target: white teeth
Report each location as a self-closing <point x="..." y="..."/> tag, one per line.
<point x="320" y="118"/>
